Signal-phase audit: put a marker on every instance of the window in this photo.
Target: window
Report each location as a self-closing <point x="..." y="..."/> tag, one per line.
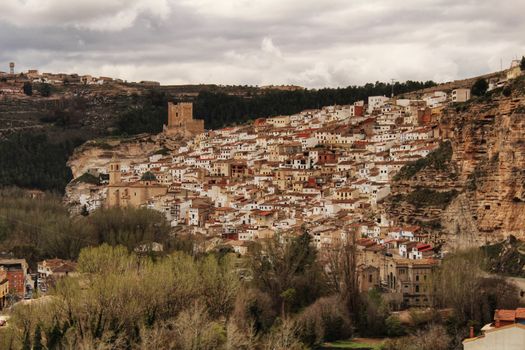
<point x="417" y="278"/>
<point x="417" y="289"/>
<point x="370" y="278"/>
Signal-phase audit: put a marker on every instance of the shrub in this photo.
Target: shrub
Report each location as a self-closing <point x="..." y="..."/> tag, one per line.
<point x="433" y="338"/>
<point x="324" y="320"/>
<point x="394" y="328"/>
<point x="88" y="178"/>
<point x="437" y="159"/>
<point x="45" y="89"/>
<point x="425" y="197"/>
<point x="251" y="310"/>
<point x="373" y="315"/>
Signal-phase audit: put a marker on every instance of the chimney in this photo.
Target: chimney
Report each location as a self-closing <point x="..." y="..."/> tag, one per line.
<point x="471" y="332"/>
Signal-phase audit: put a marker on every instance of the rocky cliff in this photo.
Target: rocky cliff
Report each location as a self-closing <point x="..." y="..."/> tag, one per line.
<point x="477" y="194"/>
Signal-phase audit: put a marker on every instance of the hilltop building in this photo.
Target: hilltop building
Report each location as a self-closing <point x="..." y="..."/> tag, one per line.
<point x="181" y="122"/>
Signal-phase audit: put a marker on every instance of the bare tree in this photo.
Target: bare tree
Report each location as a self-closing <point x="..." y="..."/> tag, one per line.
<point x="341" y="270"/>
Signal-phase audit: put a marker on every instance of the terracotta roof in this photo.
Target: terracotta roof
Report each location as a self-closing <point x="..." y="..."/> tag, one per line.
<point x="505" y="315"/>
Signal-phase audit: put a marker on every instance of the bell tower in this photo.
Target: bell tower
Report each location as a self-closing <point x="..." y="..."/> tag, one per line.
<point x="114" y="172"/>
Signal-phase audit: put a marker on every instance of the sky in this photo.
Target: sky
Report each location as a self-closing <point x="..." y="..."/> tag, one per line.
<point x="312" y="43"/>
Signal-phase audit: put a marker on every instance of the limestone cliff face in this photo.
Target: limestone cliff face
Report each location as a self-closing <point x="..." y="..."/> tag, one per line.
<point x="97" y="154"/>
<point x="488" y="141"/>
<point x="486" y="168"/>
<point x="459" y="225"/>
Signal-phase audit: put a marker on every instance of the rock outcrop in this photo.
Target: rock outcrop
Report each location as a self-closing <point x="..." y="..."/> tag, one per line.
<point x="486" y="168"/>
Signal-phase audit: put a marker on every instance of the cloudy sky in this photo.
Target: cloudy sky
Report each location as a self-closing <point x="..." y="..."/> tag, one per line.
<point x="311" y="43"/>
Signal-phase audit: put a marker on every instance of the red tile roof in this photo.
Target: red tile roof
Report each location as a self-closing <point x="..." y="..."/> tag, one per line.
<point x="505" y="315"/>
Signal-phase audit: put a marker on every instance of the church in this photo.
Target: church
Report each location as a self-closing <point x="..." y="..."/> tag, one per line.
<point x="131" y="194"/>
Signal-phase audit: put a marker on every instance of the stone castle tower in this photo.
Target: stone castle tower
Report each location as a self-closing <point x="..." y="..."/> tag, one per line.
<point x="181" y="122"/>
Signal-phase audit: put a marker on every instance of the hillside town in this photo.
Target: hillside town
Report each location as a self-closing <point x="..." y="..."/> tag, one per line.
<point x="322" y="171"/>
<point x="262" y="175"/>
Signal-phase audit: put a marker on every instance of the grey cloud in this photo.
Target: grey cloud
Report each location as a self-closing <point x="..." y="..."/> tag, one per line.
<point x="310" y="43"/>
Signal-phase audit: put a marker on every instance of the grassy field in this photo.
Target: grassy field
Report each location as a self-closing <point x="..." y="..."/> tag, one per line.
<point x="374" y="344"/>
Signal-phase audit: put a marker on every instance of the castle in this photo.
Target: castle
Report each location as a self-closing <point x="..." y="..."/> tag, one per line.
<point x="181" y="122"/>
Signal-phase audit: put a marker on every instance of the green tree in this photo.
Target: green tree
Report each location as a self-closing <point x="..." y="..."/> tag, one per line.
<point x="479" y="88"/>
<point x="45" y="89"/>
<point x="522" y="63"/>
<point x="35" y="161"/>
<point x="148" y="176"/>
<point x="28" y="88"/>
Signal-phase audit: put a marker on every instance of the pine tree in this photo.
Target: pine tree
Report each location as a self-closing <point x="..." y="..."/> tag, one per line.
<point x="479" y="88"/>
<point x="28" y="88"/>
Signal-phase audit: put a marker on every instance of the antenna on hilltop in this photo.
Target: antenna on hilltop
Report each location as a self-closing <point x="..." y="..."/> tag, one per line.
<point x="393" y="81"/>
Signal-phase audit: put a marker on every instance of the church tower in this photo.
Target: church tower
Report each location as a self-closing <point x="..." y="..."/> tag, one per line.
<point x="114" y="172"/>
